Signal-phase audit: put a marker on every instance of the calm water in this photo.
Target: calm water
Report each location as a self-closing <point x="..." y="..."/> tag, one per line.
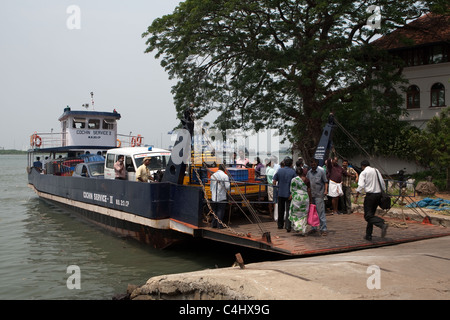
<point x="39" y="240"/>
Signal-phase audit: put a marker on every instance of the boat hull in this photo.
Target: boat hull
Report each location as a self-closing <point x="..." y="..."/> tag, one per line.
<point x="158" y="214"/>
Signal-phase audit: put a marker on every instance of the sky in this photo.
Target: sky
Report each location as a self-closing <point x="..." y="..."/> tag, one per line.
<point x="52" y="57"/>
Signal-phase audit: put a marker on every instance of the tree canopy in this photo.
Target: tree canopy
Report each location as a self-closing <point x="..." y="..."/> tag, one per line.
<point x="286" y="64"/>
<point x="432" y="145"/>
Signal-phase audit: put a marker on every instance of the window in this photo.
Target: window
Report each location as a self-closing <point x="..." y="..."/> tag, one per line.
<point x="157" y="162"/>
<point x="108" y="124"/>
<point x="79" y="123"/>
<point x="110" y="160"/>
<point x="437" y="95"/>
<point x="431" y="54"/>
<point x="413" y="97"/>
<point x="438" y="54"/>
<point x="94" y="124"/>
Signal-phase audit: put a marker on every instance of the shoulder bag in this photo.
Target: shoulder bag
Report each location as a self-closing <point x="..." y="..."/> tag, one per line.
<point x="385" y="200"/>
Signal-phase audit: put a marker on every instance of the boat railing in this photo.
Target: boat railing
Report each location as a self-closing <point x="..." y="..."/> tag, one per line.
<point x="124" y="140"/>
<point x="255" y="192"/>
<point x="47" y="140"/>
<point x="43" y="140"/>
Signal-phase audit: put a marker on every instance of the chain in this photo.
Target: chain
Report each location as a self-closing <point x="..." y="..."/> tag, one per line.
<point x="211" y="211"/>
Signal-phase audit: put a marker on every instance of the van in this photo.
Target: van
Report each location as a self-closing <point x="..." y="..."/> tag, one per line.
<point x="133" y="158"/>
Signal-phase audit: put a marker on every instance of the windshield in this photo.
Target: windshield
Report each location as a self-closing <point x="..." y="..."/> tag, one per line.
<point x="158" y="162"/>
<point x="96" y="169"/>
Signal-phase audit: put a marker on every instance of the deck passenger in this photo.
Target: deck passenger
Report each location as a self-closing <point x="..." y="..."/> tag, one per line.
<point x="319" y="188"/>
<point x="220" y="183"/>
<point x="119" y="168"/>
<point x="282" y="179"/>
<point x="38" y="164"/>
<point x="143" y="173"/>
<point x="242" y="161"/>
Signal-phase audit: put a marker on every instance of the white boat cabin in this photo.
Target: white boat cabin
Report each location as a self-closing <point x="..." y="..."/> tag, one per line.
<point x="89" y="128"/>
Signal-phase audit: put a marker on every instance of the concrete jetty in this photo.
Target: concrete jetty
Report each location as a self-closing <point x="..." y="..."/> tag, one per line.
<point x="415" y="269"/>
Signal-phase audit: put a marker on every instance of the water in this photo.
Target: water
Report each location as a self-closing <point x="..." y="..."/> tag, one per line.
<point x="40" y="240"/>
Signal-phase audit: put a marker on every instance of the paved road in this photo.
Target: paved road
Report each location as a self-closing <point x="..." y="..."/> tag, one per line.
<point x="409" y="271"/>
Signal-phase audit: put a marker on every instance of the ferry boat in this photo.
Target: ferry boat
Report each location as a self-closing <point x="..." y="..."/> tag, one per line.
<point x="76" y="171"/>
<point x="174" y="208"/>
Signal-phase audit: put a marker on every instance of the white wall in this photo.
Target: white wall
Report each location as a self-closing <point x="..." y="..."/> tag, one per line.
<point x="424" y="77"/>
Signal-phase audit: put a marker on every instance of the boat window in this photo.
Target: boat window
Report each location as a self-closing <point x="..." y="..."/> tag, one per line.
<point x="108" y="124"/>
<point x="79" y="123"/>
<point x="94" y="124"/>
<point x="110" y="161"/>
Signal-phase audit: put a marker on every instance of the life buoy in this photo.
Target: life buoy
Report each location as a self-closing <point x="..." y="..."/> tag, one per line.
<point x="35" y="140"/>
<point x="138" y="140"/>
<point x="119" y="143"/>
<point x="133" y="142"/>
<point x="38" y="141"/>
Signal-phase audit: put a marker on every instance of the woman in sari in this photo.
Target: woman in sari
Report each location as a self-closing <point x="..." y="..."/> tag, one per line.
<point x="298" y="211"/>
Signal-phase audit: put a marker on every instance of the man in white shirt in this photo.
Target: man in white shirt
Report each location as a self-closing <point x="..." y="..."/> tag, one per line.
<point x="220" y="183"/>
<point x="371" y="182"/>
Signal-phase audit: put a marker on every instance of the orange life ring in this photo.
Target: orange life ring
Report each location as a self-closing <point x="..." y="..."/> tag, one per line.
<point x="119" y="143"/>
<point x="133" y="142"/>
<point x="138" y="140"/>
<point x="38" y="141"/>
<point x="35" y="140"/>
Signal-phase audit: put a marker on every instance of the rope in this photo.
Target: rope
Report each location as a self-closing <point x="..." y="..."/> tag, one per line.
<point x="379" y="166"/>
<point x="211" y="211"/>
<point x="244" y="199"/>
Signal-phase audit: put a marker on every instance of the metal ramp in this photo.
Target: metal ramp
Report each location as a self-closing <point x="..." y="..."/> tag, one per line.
<point x="345" y="233"/>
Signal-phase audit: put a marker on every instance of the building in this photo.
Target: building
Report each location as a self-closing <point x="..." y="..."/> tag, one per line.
<point x="424" y="46"/>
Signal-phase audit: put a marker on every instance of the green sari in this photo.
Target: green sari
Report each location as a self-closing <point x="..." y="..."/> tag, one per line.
<point x="298" y="211"/>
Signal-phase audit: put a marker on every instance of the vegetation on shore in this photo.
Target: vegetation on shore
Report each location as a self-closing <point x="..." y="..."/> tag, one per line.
<point x="12" y="151"/>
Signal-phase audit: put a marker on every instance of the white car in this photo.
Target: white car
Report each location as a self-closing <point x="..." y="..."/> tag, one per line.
<point x="94" y="169"/>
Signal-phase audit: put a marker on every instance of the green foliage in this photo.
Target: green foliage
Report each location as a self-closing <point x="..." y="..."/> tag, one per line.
<point x="285" y="64"/>
<point x="439" y="177"/>
<point x="432" y="145"/>
<point x="12" y="151"/>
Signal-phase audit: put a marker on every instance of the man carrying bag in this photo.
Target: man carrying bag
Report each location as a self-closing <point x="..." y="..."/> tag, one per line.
<point x="369" y="181"/>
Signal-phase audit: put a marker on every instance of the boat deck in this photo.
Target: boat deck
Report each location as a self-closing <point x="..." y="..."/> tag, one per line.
<point x="345" y="233"/>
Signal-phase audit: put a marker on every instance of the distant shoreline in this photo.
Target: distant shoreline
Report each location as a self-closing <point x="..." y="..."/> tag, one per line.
<point x="12" y="151"/>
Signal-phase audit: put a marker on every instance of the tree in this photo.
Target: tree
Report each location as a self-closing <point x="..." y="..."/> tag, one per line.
<point x="432" y="145"/>
<point x="285" y="64"/>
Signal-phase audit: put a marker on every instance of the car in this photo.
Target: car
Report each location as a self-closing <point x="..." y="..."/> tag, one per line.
<point x="93" y="169"/>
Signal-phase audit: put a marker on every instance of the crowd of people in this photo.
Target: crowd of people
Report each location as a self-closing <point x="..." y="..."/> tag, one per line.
<point x="300" y="185"/>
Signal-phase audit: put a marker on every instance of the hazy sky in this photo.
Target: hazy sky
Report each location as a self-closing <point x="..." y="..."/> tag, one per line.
<point x="45" y="66"/>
